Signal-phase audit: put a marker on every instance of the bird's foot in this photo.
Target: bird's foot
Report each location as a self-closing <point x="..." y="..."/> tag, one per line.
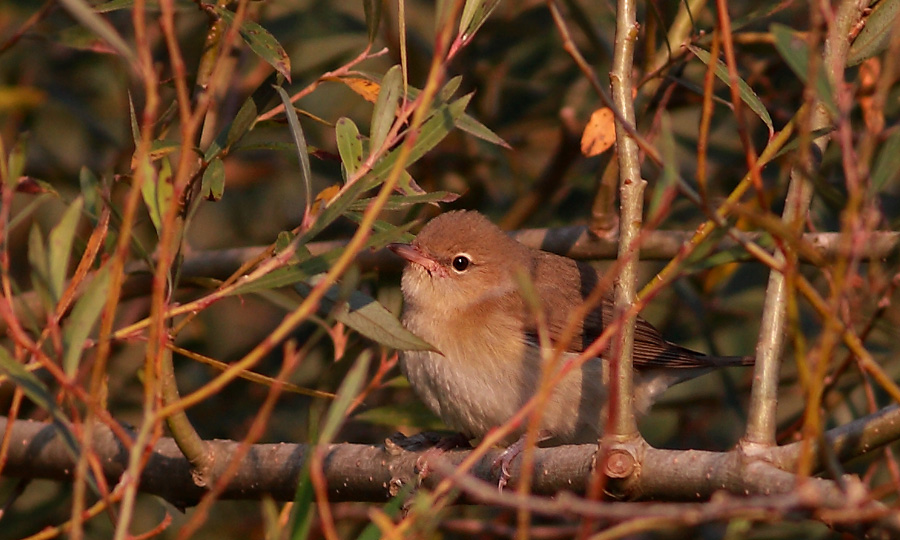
<point x="512" y="452"/>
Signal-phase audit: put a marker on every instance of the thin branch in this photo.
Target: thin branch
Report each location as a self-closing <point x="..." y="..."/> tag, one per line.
<point x="761" y="418"/>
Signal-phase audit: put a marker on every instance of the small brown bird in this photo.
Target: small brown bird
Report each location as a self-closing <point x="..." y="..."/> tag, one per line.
<point x="462" y="296"/>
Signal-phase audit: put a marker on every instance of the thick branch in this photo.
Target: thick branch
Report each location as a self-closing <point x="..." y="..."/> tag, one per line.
<point x="360" y="472"/>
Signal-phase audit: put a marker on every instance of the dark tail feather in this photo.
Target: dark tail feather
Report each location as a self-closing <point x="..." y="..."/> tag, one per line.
<point x="669" y="355"/>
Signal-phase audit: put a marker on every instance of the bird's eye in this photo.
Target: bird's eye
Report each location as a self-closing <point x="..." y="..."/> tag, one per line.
<point x="460" y="263"/>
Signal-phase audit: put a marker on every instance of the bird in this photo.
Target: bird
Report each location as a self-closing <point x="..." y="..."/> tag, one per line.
<point x="463" y="294"/>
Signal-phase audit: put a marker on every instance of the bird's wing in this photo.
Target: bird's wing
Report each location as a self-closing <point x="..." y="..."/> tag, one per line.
<point x="570" y="282"/>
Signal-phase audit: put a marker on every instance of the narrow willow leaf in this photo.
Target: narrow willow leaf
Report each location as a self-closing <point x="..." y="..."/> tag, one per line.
<point x="391" y="509"/>
<point x="135" y="127"/>
<point x="399" y="202"/>
<point x="349" y="145"/>
<point x="35" y="390"/>
<point x="747" y="94"/>
<point x="367" y="316"/>
<point x="82" y="319"/>
<point x="245" y="117"/>
<point x="60" y="247"/>
<point x="212" y="187"/>
<point x="161" y="148"/>
<point x="158" y="192"/>
<point x="372" y="9"/>
<point x="795" y="52"/>
<point x="876" y="34"/>
<point x="385" y="110"/>
<point x="474" y="14"/>
<point x="261" y="42"/>
<point x="242" y="122"/>
<point x="299" y="142"/>
<point x="466" y="122"/>
<point x="113" y="5"/>
<point x="303" y="510"/>
<point x="346" y="393"/>
<point x="15" y="165"/>
<point x="90" y="192"/>
<point x="887" y="165"/>
<point x="477" y="129"/>
<point x="449" y="89"/>
<point x="82" y="12"/>
<point x="40" y="270"/>
<point x="433" y="130"/>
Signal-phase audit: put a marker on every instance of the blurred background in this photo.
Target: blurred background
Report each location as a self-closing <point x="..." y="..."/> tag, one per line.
<point x="65" y="99"/>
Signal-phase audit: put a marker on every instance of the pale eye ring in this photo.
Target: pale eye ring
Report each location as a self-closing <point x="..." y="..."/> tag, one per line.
<point x="461" y="262"/>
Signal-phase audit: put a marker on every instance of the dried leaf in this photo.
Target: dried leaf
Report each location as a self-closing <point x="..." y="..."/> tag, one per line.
<point x="599" y="133"/>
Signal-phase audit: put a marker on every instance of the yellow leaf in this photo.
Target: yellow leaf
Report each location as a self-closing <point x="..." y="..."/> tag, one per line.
<point x="323" y="198"/>
<point x="364" y="87"/>
<point x="599" y="134"/>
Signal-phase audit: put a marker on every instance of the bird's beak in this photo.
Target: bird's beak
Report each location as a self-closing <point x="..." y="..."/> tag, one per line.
<point x="415" y="255"/>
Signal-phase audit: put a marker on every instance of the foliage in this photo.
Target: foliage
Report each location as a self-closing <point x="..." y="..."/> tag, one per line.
<point x="194" y="196"/>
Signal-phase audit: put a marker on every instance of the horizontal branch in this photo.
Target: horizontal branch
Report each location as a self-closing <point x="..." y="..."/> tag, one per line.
<point x="358" y="472"/>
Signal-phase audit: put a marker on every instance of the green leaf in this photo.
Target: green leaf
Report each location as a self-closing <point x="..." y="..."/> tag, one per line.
<point x="876" y="34"/>
<point x="22" y="215"/>
<point x="433" y="131"/>
<point x="212" y="187"/>
<point x="82" y="12"/>
<point x="261" y="42"/>
<point x="303" y="511"/>
<point x="474" y="14"/>
<point x="887" y="165"/>
<point x="368" y="317"/>
<point x="245" y="117"/>
<point x="40" y="269"/>
<point x="477" y="129"/>
<point x="747" y="94"/>
<point x="113" y="5"/>
<point x="82" y="319"/>
<point x="158" y="192"/>
<point x="372" y="9"/>
<point x="796" y="54"/>
<point x="161" y="148"/>
<point x="349" y="145"/>
<point x="35" y="390"/>
<point x="399" y="202"/>
<point x="346" y="393"/>
<point x="466" y="122"/>
<point x="392" y="509"/>
<point x="60" y="247"/>
<point x="90" y="192"/>
<point x="449" y="89"/>
<point x="15" y="164"/>
<point x="385" y="110"/>
<point x="135" y="127"/>
<point x="299" y="143"/>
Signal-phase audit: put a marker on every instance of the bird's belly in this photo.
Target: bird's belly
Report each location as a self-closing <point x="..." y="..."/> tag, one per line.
<point x="476" y="397"/>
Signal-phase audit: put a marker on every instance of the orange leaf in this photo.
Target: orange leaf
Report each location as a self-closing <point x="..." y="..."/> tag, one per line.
<point x="364" y="87"/>
<point x="599" y="134"/>
<point x="323" y="198"/>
